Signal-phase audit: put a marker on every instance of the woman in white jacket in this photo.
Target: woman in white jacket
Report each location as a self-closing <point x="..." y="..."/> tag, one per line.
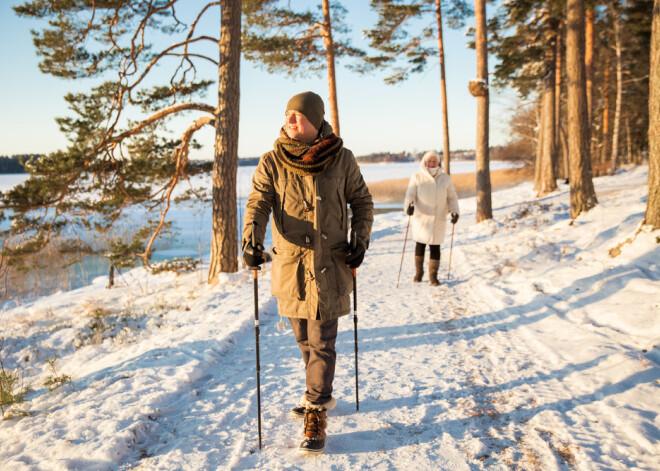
<point x="430" y="196"/>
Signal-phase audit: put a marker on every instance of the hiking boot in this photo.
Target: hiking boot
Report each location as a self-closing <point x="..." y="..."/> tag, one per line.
<point x="433" y="272"/>
<point x="298" y="412"/>
<point x="314" y="437"/>
<point x="419" y="269"/>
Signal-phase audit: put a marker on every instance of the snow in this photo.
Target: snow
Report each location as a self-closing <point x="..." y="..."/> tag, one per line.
<point x="541" y="352"/>
<point x="9" y="180"/>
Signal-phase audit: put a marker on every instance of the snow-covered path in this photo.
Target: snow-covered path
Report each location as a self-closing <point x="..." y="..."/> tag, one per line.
<point x="541" y="352"/>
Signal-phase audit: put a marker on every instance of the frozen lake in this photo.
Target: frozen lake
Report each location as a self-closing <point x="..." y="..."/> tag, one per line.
<point x="192" y="220"/>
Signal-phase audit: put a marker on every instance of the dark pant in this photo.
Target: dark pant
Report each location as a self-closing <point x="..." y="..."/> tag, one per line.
<point x="316" y="340"/>
<point x="420" y="248"/>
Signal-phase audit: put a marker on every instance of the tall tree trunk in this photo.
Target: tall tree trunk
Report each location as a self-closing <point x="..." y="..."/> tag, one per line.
<point x="538" y="156"/>
<point x="619" y="91"/>
<point x="443" y="88"/>
<point x="589" y="60"/>
<point x="224" y="240"/>
<point x="605" y="142"/>
<point x="583" y="196"/>
<point x="652" y="216"/>
<point x="330" y="57"/>
<point x="560" y="169"/>
<point x="484" y="204"/>
<point x="628" y="142"/>
<point x="547" y="181"/>
<point x="564" y="147"/>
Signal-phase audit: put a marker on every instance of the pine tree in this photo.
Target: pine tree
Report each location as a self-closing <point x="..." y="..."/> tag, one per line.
<point x="295" y="42"/>
<point x="484" y="204"/>
<point x="636" y="25"/>
<point x="406" y="52"/>
<point x="620" y="91"/>
<point x="583" y="196"/>
<point x="525" y="38"/>
<point x="616" y="19"/>
<point x="115" y="162"/>
<point x="652" y="216"/>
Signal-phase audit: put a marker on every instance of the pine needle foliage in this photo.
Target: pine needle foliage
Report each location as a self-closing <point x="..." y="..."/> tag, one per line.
<point x="113" y="161"/>
<point x="404" y="32"/>
<point x="518" y="38"/>
<point x="283" y="40"/>
<point x="12" y="389"/>
<point x="55" y="379"/>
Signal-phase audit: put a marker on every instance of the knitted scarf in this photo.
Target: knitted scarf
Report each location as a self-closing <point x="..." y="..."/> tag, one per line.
<point x="307" y="159"/>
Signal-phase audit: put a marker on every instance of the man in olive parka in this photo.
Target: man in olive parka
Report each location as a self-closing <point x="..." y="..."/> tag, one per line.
<point x="307" y="181"/>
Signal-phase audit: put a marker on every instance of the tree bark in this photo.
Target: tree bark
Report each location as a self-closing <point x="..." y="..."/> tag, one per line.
<point x="606" y="114"/>
<point x="619" y="91"/>
<point x="224" y="240"/>
<point x="562" y="164"/>
<point x="589" y="60"/>
<point x="443" y="87"/>
<point x="111" y="276"/>
<point x="330" y="57"/>
<point x="538" y="156"/>
<point x="629" y="158"/>
<point x="547" y="177"/>
<point x="563" y="137"/>
<point x="652" y="216"/>
<point x="484" y="204"/>
<point x="583" y="196"/>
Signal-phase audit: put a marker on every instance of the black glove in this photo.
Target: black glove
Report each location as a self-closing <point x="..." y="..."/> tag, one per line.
<point x="253" y="256"/>
<point x="354" y="256"/>
<point x="454" y="218"/>
<point x="410" y="209"/>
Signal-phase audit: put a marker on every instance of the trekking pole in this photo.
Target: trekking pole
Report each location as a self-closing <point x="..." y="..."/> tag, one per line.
<point x="357" y="399"/>
<point x="404" y="251"/>
<point x="256" y="328"/>
<point x="451" y="248"/>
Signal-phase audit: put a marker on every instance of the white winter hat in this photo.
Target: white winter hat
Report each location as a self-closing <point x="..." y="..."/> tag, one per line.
<point x="430" y="154"/>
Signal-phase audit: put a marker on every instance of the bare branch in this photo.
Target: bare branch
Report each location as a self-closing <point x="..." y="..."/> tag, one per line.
<point x="166" y="52"/>
<point x="162" y="114"/>
<point x="181" y="155"/>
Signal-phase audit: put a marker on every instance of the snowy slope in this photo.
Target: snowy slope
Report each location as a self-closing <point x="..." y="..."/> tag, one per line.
<point x="541" y="352"/>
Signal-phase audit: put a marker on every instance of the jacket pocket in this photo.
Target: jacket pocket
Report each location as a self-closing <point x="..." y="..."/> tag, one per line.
<point x="343" y="274"/>
<point x="288" y="274"/>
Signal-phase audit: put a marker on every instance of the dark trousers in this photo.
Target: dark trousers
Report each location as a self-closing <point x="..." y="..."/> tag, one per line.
<point x="316" y="340"/>
<point x="420" y="248"/>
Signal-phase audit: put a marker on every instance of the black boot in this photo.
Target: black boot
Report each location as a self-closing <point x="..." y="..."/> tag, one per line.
<point x="419" y="269"/>
<point x="298" y="412"/>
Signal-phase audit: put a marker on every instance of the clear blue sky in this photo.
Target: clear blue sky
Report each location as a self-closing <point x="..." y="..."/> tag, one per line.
<point x="373" y="116"/>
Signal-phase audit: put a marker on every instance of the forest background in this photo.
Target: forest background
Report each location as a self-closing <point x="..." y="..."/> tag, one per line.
<point x="128" y="160"/>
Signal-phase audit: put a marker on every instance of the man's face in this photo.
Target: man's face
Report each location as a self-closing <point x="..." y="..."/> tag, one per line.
<point x="299" y="128"/>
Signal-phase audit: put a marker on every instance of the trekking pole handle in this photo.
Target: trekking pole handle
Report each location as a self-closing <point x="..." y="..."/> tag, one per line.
<point x="254" y="244"/>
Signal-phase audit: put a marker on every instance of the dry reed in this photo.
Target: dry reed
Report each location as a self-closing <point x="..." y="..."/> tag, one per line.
<point x="393" y="191"/>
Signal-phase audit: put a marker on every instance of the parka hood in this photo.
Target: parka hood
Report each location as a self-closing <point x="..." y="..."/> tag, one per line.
<point x="425" y="170"/>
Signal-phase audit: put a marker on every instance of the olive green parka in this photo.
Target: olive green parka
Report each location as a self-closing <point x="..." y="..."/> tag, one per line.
<point x="310" y="232"/>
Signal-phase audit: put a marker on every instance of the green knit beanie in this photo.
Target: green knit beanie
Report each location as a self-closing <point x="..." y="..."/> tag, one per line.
<point x="310" y="105"/>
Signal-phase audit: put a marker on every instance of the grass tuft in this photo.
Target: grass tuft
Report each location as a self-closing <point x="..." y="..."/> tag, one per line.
<point x="55" y="380"/>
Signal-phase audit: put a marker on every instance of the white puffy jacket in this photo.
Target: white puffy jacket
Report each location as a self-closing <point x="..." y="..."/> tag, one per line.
<point x="433" y="198"/>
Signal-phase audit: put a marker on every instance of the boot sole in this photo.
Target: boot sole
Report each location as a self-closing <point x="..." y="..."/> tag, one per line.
<point x="306" y="451"/>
